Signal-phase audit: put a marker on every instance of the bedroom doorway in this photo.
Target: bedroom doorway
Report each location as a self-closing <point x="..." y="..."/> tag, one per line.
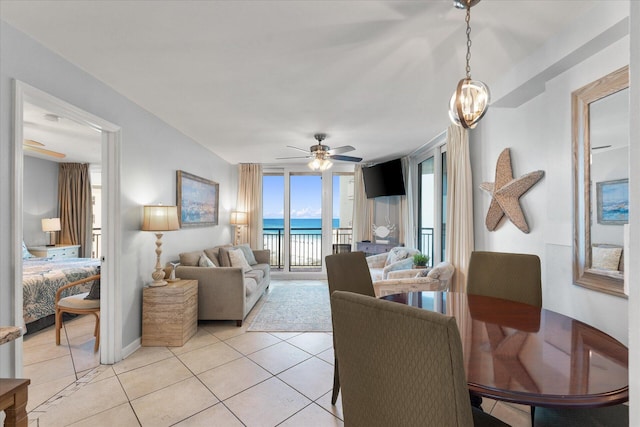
<point x="107" y="149"/>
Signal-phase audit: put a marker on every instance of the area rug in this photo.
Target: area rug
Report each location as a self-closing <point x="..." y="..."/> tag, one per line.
<point x="294" y="307"/>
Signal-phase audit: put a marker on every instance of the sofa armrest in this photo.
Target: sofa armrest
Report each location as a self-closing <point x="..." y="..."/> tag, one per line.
<point x="377" y="261"/>
<point x="263" y="256"/>
<point x="405" y="274"/>
<point x="220" y="290"/>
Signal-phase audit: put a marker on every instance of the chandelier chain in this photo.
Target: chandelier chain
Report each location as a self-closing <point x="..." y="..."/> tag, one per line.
<point x="467" y="20"/>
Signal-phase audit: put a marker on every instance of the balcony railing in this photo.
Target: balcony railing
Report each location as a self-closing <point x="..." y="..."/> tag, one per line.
<point x="426" y="243"/>
<point x="305" y="246"/>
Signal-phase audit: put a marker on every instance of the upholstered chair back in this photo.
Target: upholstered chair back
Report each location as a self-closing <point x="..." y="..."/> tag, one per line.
<point x="399" y="365"/>
<point x="349" y="272"/>
<point x="514" y="277"/>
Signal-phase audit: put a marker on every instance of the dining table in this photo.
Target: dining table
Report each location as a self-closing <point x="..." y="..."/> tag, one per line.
<point x="523" y="354"/>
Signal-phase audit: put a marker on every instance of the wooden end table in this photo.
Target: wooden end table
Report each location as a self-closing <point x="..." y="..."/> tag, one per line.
<point x="169" y="314"/>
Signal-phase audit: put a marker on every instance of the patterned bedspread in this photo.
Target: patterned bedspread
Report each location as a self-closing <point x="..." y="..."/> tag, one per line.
<point x="41" y="278"/>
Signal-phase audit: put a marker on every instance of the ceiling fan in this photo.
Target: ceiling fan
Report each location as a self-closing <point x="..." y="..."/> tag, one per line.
<point x="36" y="147"/>
<point x="322" y="155"/>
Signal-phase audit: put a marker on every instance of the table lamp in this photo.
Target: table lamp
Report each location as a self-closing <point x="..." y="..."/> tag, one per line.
<point x="239" y="219"/>
<point x="159" y="219"/>
<point x="50" y="226"/>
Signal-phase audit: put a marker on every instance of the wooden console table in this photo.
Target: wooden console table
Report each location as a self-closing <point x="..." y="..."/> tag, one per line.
<point x="169" y="314"/>
<point x="371" y="248"/>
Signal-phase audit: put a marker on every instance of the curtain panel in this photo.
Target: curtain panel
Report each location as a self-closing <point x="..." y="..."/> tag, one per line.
<point x="408" y="206"/>
<point x="76" y="207"/>
<point x="362" y="209"/>
<point x="459" y="235"/>
<point x="250" y="201"/>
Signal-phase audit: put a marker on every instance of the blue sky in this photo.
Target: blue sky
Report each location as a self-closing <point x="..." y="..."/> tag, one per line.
<point x="306" y="196"/>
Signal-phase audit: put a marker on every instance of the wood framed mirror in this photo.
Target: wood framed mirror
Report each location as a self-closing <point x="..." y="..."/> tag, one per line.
<point x="600" y="134"/>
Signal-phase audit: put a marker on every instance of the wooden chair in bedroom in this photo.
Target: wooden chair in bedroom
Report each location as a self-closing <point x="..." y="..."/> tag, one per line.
<point x="77" y="304"/>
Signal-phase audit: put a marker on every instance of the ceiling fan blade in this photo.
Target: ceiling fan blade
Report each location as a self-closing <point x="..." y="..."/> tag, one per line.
<point x="296" y="148"/>
<point x="44" y="151"/>
<point x="33" y="143"/>
<point x="340" y="150"/>
<point x="346" y="158"/>
<point x="295" y="157"/>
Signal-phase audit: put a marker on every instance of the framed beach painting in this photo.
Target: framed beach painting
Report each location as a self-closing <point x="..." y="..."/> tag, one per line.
<point x="612" y="198"/>
<point x="197" y="200"/>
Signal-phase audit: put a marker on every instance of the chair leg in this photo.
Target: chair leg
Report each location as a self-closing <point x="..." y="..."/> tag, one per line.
<point x="96" y="333"/>
<point x="336" y="383"/>
<point x="58" y="318"/>
<point x="533" y="415"/>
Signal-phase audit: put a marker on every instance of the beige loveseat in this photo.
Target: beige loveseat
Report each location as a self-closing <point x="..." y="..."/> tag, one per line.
<point x="226" y="292"/>
<point x="398" y="258"/>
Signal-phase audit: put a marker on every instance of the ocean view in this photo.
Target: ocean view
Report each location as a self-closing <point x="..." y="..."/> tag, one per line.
<point x="307" y="225"/>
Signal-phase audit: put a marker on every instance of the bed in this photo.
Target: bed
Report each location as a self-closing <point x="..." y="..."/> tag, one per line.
<point x="41" y="278"/>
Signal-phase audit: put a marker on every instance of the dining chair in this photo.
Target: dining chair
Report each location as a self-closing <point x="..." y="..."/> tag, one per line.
<point x="77" y="304"/>
<point x="510" y="276"/>
<point x="347" y="272"/>
<point x="400" y="365"/>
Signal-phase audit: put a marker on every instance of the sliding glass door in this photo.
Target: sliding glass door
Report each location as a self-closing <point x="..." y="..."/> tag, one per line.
<point x="306" y="216"/>
<point x="432" y="197"/>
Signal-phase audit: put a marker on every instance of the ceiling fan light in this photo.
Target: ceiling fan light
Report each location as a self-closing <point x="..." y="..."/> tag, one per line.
<point x="314" y="164"/>
<point x="326" y="164"/>
<point x="469" y="103"/>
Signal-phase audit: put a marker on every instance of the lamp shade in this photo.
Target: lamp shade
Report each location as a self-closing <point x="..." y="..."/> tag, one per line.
<point x="51" y="224"/>
<point x="239" y="218"/>
<point x="160" y="218"/>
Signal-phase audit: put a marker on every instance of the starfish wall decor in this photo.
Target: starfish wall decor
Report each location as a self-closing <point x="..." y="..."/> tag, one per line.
<point x="506" y="192"/>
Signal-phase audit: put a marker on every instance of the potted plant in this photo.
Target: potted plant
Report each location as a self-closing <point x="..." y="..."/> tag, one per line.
<point x="420" y="260"/>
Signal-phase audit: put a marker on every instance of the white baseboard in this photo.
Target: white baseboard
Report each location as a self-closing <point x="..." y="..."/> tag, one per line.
<point x="131" y="348"/>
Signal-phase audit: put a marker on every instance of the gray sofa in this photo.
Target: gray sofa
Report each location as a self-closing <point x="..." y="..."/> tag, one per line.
<point x="226" y="292"/>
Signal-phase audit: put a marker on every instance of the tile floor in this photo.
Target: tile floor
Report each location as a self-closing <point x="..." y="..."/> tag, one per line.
<point x="223" y="376"/>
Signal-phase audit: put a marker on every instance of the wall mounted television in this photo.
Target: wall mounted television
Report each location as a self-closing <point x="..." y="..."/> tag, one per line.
<point x="384" y="179"/>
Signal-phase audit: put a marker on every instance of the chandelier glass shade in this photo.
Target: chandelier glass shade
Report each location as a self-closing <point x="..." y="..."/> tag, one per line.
<point x="471" y="98"/>
<point x="469" y="103"/>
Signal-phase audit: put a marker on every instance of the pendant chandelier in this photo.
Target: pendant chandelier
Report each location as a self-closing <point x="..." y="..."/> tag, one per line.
<point x="471" y="99"/>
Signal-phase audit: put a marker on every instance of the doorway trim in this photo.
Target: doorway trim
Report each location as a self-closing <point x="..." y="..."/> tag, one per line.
<point x="110" y="309"/>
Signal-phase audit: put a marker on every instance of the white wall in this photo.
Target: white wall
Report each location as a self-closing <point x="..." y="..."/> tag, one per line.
<point x="151" y="152"/>
<point x="538" y="132"/>
<point x="40" y="198"/>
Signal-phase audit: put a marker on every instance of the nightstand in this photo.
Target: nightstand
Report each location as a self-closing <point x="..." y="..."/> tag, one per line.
<point x="169" y="313"/>
<point x="57" y="251"/>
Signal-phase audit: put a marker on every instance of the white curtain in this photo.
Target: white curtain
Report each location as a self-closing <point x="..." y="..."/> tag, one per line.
<point x="250" y="201"/>
<point x="362" y="209"/>
<point x="459" y="244"/>
<point x="408" y="209"/>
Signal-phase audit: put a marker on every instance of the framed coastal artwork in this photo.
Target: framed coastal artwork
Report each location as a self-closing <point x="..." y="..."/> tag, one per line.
<point x="197" y="200"/>
<point x="612" y="198"/>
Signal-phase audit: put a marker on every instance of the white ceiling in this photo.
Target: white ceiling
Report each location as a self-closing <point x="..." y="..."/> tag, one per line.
<point x="248" y="78"/>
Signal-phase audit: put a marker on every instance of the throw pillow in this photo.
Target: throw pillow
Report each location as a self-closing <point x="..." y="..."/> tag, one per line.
<point x="395" y="255"/>
<point x="190" y="259"/>
<point x="214" y="255"/>
<point x="605" y="258"/>
<point x="247" y="252"/>
<point x="94" y="292"/>
<point x="205" y="261"/>
<point x="25" y="252"/>
<point x="237" y="259"/>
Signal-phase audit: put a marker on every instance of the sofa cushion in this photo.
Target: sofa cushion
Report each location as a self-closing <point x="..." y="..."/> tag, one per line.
<point x="257" y="275"/>
<point x="190" y="259"/>
<point x="424" y="272"/>
<point x="248" y="253"/>
<point x="237" y="259"/>
<point x="606" y="258"/>
<point x="223" y="256"/>
<point x="395" y="255"/>
<point x="214" y="255"/>
<point x="205" y="261"/>
<point x="250" y="286"/>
